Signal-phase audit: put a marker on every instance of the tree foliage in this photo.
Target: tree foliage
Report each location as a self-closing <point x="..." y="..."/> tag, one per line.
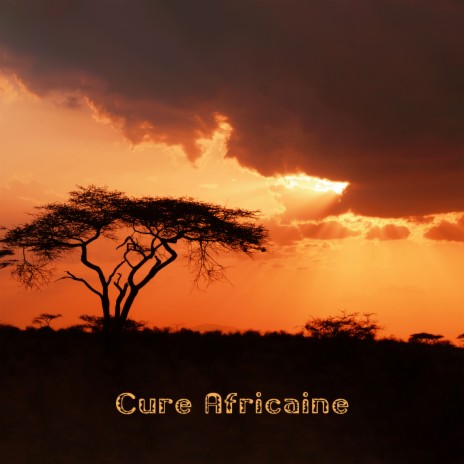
<point x="426" y="338"/>
<point x="344" y="326"/>
<point x="5" y="260"/>
<point x="146" y="232"/>
<point x="44" y="319"/>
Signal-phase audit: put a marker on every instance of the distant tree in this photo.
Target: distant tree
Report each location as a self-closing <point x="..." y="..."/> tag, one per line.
<point x="345" y="326"/>
<point x="44" y="320"/>
<point x="426" y="338"/>
<point x="460" y="339"/>
<point x="146" y="231"/>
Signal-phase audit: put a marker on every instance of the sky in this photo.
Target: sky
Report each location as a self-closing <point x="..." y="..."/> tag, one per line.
<point x="340" y="121"/>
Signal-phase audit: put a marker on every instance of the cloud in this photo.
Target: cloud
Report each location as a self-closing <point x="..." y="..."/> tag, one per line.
<point x="388" y="232"/>
<point x="357" y="91"/>
<point x="331" y="230"/>
<point x="306" y="204"/>
<point x="449" y="231"/>
<point x="283" y="234"/>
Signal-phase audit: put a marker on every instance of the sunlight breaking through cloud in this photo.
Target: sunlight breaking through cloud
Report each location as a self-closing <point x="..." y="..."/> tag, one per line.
<point x="303" y="181"/>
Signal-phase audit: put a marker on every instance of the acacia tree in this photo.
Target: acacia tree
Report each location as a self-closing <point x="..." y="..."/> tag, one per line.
<point x="426" y="338"/>
<point x="344" y="326"/>
<point x="145" y="231"/>
<point x="44" y="320"/>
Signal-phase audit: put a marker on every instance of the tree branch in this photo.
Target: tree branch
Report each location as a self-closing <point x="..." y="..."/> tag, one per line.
<point x="92" y="266"/>
<point x="159" y="264"/>
<point x="80" y="279"/>
<point x="120" y="298"/>
<point x="114" y="271"/>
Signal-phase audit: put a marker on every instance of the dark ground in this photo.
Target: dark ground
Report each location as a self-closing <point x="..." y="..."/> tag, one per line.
<point x="58" y="392"/>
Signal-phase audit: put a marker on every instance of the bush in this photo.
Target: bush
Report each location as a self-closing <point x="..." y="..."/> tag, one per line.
<point x="428" y="339"/>
<point x="346" y="326"/>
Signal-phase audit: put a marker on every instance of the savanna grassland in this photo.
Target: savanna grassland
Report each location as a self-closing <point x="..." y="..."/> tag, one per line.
<point x="58" y="399"/>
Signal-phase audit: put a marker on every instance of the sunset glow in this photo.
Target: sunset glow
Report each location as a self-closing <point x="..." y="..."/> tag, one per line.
<point x="364" y="212"/>
<point x="301" y="181"/>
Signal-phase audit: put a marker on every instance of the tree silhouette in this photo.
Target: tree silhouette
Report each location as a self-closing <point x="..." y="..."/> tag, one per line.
<point x="44" y="319"/>
<point x="345" y="326"/>
<point x="145" y="230"/>
<point x="426" y="338"/>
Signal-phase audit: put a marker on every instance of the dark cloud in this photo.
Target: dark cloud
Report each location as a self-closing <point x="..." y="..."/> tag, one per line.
<point x="358" y="91"/>
<point x="453" y="232"/>
<point x="388" y="232"/>
<point x="331" y="230"/>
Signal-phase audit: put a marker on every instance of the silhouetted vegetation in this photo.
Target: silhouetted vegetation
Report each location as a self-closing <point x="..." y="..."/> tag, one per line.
<point x="44" y="319"/>
<point x="344" y="326"/>
<point x="58" y="391"/>
<point x="146" y="231"/>
<point x="4" y="254"/>
<point x="427" y="338"/>
<point x="95" y="324"/>
<point x="5" y="328"/>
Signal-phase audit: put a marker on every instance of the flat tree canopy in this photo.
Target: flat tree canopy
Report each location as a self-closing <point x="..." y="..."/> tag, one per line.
<point x="145" y="230"/>
<point x="345" y="326"/>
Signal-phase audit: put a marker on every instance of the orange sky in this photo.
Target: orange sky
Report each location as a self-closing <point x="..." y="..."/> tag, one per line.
<point x="407" y="270"/>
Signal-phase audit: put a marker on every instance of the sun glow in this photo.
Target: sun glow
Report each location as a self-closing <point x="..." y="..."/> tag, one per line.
<point x="303" y="181"/>
<point x="323" y="257"/>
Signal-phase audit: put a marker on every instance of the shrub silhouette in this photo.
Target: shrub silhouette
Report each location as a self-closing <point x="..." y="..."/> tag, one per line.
<point x="426" y="338"/>
<point x="44" y="320"/>
<point x="345" y="326"/>
<point x="95" y="324"/>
